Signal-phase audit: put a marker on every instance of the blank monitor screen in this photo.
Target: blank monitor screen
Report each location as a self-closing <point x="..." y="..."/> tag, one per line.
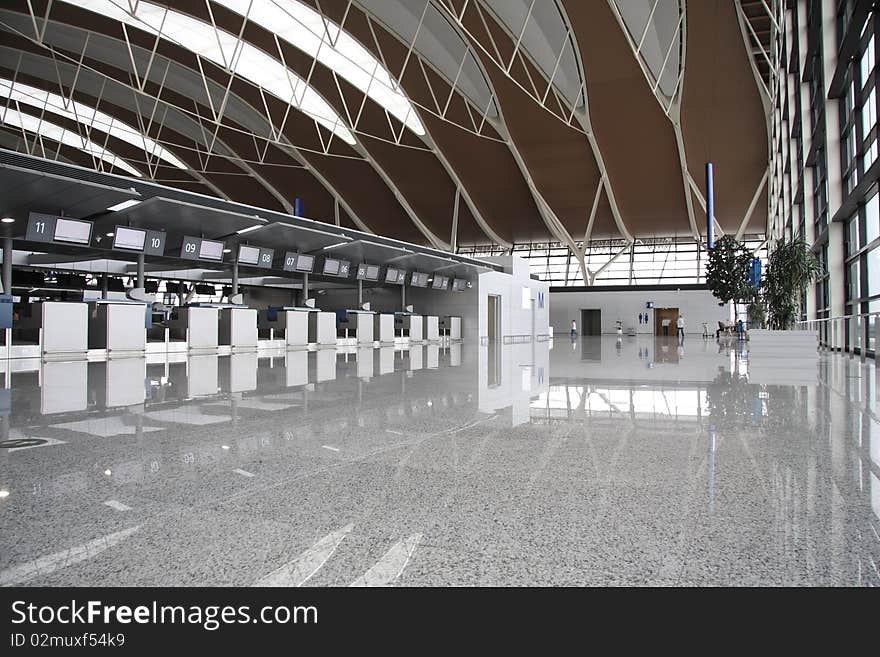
<point x="439" y="283"/>
<point x="372" y="273"/>
<point x="211" y="250"/>
<point x="129" y="238"/>
<point x="70" y="230"/>
<point x="248" y="255"/>
<point x="305" y="262"/>
<point x="331" y="267"/>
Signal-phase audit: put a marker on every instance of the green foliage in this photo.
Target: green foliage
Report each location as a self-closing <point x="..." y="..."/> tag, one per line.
<point x="727" y="271"/>
<point x="792" y="268"/>
<point x="757" y="313"/>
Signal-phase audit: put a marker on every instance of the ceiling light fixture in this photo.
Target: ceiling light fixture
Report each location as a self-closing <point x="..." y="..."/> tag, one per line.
<point x="124" y="205"/>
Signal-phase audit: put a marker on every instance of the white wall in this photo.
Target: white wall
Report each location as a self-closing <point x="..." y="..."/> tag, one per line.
<point x="472" y="304"/>
<point x="696" y="306"/>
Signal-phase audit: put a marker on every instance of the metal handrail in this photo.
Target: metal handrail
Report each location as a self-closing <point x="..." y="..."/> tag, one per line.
<point x="850" y="333"/>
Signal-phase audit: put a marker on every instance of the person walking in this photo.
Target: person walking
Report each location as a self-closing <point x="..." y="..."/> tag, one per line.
<point x="574" y="329"/>
<point x="680" y="325"/>
<point x="705" y="330"/>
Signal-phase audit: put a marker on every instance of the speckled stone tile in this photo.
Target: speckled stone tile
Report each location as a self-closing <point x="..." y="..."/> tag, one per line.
<point x="592" y="466"/>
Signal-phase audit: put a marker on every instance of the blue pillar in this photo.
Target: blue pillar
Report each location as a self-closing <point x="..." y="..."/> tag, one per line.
<point x="298" y="207"/>
<point x="710" y="207"/>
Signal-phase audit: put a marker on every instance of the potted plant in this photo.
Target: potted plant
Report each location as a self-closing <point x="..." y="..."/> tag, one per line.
<point x="727" y="272"/>
<point x="791" y="269"/>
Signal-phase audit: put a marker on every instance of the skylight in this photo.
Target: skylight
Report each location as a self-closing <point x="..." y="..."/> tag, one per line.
<point x="224" y="49"/>
<point x="307" y="30"/>
<point x="86" y="115"/>
<point x="44" y="128"/>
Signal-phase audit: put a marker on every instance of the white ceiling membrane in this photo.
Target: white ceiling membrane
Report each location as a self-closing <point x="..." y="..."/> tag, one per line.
<point x="419" y="23"/>
<point x="87" y="116"/>
<point x="43" y="128"/>
<point x="653" y="26"/>
<point x="318" y="37"/>
<point x="227" y="51"/>
<point x="543" y="35"/>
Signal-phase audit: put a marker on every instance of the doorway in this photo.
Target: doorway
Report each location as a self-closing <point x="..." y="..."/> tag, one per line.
<point x="591" y="321"/>
<point x="494" y="317"/>
<point x="667" y="316"/>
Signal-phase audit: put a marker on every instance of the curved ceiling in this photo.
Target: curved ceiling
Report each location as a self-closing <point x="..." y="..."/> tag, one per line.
<point x="446" y="122"/>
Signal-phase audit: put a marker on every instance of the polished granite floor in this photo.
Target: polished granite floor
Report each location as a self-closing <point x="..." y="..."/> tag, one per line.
<point x="593" y="462"/>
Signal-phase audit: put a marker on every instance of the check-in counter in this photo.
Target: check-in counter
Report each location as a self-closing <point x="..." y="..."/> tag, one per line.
<point x="292" y="322"/>
<point x="238" y="327"/>
<point x="450" y="327"/>
<point x="383" y="328"/>
<point x="197" y="325"/>
<point x="117" y="326"/>
<point x="432" y="328"/>
<point x="63" y="327"/>
<point x="358" y="322"/>
<point x="410" y="326"/>
<point x="322" y="328"/>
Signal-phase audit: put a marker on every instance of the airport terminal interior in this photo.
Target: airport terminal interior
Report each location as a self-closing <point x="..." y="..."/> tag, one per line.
<point x="427" y="293"/>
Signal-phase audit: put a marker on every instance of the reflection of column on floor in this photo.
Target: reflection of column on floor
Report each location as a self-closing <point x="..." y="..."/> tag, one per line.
<point x="711" y="467"/>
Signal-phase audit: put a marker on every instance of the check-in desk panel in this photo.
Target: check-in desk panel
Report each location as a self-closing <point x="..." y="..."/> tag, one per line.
<point x="322" y="328"/>
<point x="359" y="322"/>
<point x="293" y="322"/>
<point x="63" y="327"/>
<point x="432" y="328"/>
<point x="198" y="325"/>
<point x="238" y="327"/>
<point x="383" y="328"/>
<point x="117" y="326"/>
<point x="450" y="327"/>
<point x="410" y="326"/>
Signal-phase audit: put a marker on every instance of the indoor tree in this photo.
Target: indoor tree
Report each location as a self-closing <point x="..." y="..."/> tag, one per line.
<point x="792" y="267"/>
<point x="727" y="271"/>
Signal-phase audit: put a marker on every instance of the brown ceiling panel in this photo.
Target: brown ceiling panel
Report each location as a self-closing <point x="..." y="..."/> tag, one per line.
<point x="635" y="137"/>
<point x="469" y="232"/>
<point x="369" y="197"/>
<point x="722" y="113"/>
<point x="484" y="166"/>
<point x="557" y="156"/>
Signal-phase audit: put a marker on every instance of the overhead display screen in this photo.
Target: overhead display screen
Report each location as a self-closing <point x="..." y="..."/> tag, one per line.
<point x="248" y="255"/>
<point x="418" y="279"/>
<point x="344" y="268"/>
<point x="129" y="239"/>
<point x="72" y="231"/>
<point x="331" y="267"/>
<point x="391" y="275"/>
<point x="439" y="283"/>
<point x="459" y="285"/>
<point x="305" y="263"/>
<point x="211" y="250"/>
<point x="367" y="272"/>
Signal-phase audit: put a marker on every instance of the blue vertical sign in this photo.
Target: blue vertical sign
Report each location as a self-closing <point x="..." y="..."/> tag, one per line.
<point x="755" y="273"/>
<point x="710" y="208"/>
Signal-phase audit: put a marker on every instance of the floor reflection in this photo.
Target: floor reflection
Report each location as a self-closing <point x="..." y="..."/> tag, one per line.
<point x="595" y="461"/>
